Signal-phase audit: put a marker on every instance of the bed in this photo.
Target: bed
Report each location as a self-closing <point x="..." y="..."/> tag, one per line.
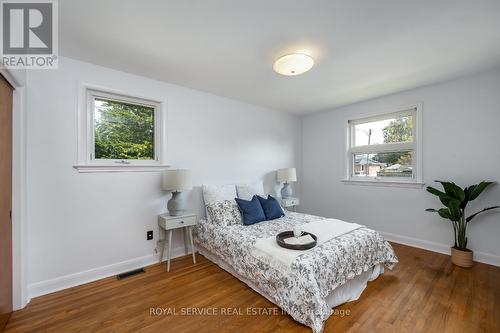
<point x="321" y="278"/>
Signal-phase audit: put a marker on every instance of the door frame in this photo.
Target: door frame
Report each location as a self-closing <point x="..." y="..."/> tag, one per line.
<point x="20" y="295"/>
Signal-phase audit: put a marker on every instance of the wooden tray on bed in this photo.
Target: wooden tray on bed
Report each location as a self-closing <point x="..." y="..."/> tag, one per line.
<point x="280" y="238"/>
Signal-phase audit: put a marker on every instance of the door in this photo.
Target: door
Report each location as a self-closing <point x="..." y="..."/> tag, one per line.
<point x="5" y="201"/>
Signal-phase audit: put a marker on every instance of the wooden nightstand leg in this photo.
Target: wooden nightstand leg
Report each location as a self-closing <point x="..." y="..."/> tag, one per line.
<point x="169" y="249"/>
<point x="185" y="234"/>
<point x="192" y="246"/>
<point x="163" y="240"/>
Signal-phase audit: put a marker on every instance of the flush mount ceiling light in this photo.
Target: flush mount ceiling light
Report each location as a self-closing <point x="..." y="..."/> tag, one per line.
<point x="293" y="64"/>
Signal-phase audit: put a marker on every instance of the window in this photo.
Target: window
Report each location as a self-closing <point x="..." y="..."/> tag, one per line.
<point x="385" y="148"/>
<point x="119" y="131"/>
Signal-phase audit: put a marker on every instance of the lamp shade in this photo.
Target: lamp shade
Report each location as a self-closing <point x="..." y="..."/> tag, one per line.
<point x="287" y="175"/>
<point x="177" y="180"/>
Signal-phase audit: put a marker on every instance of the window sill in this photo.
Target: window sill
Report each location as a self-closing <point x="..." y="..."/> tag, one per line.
<point x="384" y="183"/>
<point x="88" y="168"/>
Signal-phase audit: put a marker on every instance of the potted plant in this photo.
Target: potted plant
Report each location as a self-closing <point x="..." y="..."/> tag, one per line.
<point x="455" y="200"/>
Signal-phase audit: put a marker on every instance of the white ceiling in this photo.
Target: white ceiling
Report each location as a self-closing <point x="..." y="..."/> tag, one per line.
<point x="362" y="49"/>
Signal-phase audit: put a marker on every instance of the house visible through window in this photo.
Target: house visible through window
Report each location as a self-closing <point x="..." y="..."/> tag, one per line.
<point x="384" y="147"/>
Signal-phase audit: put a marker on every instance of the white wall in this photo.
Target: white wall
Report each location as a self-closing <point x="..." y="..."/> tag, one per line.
<point x="80" y="224"/>
<point x="461" y="137"/>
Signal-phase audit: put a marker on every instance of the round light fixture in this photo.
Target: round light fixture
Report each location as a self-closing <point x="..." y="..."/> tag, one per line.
<point x="293" y="64"/>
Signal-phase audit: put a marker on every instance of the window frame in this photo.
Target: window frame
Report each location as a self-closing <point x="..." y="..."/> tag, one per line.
<point x="86" y="161"/>
<point x="416" y="146"/>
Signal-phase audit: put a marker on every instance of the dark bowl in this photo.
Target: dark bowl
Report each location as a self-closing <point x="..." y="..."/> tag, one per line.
<point x="280" y="239"/>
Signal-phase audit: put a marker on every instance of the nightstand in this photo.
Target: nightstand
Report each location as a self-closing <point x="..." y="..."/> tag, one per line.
<point x="290" y="203"/>
<point x="169" y="223"/>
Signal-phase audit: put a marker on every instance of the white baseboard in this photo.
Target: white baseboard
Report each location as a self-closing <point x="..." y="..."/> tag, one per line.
<point x="483" y="257"/>
<point x="76" y="279"/>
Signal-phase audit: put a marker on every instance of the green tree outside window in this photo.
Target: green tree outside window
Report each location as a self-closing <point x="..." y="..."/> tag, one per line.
<point x="123" y="131"/>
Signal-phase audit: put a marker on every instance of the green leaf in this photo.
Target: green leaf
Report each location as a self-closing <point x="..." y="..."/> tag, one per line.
<point x="443" y="197"/>
<point x="434" y="191"/>
<point x="478" y="189"/>
<point x="453" y="190"/>
<point x="474" y="215"/>
<point x="445" y="213"/>
<point x="454" y="208"/>
<point x="431" y="210"/>
<point x="467" y="192"/>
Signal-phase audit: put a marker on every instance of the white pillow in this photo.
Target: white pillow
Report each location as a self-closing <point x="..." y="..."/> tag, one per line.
<point x="216" y="193"/>
<point x="247" y="191"/>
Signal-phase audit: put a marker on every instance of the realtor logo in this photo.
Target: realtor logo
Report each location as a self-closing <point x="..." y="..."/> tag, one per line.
<point x="29" y="34"/>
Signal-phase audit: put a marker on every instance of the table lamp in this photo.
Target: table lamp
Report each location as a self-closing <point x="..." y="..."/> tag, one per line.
<point x="176" y="181"/>
<point x="286" y="176"/>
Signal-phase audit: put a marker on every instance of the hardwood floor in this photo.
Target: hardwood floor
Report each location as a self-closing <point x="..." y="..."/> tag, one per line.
<point x="425" y="293"/>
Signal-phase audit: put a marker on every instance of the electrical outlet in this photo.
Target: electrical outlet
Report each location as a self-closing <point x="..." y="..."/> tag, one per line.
<point x="149" y="235"/>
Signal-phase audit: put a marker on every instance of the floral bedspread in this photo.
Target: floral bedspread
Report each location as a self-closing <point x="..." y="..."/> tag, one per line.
<point x="302" y="290"/>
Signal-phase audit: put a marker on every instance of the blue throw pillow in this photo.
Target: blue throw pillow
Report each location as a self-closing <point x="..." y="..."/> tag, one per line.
<point x="251" y="211"/>
<point x="271" y="208"/>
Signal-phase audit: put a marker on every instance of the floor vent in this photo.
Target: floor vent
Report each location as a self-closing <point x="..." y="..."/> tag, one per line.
<point x="130" y="273"/>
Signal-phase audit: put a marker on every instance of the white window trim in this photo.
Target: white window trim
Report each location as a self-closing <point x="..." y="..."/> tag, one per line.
<point x="417" y="180"/>
<point x="85" y="146"/>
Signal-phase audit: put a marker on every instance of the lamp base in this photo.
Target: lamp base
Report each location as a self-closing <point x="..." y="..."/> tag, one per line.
<point x="176" y="206"/>
<point x="286" y="191"/>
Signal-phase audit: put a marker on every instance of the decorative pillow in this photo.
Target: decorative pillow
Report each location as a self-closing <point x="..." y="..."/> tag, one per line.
<point x="272" y="208"/>
<point x="251" y="211"/>
<point x="247" y="191"/>
<point x="217" y="193"/>
<point x="224" y="213"/>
